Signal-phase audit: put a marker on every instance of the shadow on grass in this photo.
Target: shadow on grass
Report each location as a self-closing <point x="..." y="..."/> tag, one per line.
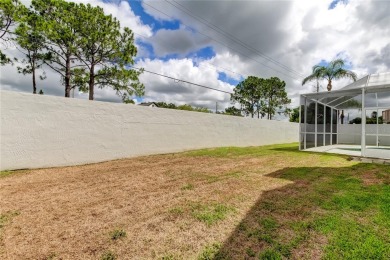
<point x="330" y="213"/>
<point x="287" y="149"/>
<point x="296" y="151"/>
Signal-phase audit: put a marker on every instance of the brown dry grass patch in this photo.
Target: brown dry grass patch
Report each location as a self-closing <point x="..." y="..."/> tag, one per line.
<point x="69" y="212"/>
<point x="313" y="249"/>
<point x="371" y="177"/>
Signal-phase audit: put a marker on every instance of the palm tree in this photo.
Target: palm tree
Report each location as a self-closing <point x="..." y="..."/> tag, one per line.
<point x="333" y="71"/>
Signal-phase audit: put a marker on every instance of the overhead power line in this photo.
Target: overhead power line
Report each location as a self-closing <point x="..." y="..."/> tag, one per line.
<point x="230" y="36"/>
<point x="181" y="80"/>
<point x="225" y="69"/>
<point x="249" y="57"/>
<point x="206" y="63"/>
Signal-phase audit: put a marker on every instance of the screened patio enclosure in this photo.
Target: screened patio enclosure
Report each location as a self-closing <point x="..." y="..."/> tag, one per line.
<point x="353" y="120"/>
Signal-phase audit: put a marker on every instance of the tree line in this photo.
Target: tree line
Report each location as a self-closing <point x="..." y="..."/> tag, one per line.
<point x="255" y="96"/>
<point x="374" y="119"/>
<point x="261" y="97"/>
<point x="87" y="48"/>
<point x="233" y="111"/>
<point x="182" y="107"/>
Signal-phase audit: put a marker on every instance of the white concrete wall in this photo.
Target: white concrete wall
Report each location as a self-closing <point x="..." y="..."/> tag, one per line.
<point x="352" y="134"/>
<point x="46" y="131"/>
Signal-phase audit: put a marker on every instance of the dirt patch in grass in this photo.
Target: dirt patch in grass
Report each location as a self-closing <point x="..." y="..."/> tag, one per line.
<point x="312" y="249"/>
<point x="372" y="177"/>
<point x="69" y="211"/>
<point x="218" y="203"/>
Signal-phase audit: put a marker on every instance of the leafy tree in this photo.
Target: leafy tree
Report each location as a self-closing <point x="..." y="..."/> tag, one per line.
<point x="124" y="82"/>
<point x="275" y="95"/>
<point x="294" y="115"/>
<point x="333" y="71"/>
<point x="374" y="114"/>
<point x="59" y="27"/>
<point x="248" y="93"/>
<point x="4" y="59"/>
<point x="32" y="43"/>
<point x="128" y="101"/>
<point x="106" y="51"/>
<point x="372" y="120"/>
<point x="349" y="104"/>
<point x="356" y="120"/>
<point x="232" y="111"/>
<point x="11" y="11"/>
<point x="196" y="109"/>
<point x="261" y="96"/>
<point x="78" y="79"/>
<point x="183" y="107"/>
<point x="202" y="109"/>
<point x="165" y="105"/>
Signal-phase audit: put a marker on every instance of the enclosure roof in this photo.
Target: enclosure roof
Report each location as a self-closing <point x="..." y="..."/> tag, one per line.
<point x="374" y="83"/>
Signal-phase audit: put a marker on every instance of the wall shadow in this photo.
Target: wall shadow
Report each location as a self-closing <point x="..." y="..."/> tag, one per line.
<point x="282" y="223"/>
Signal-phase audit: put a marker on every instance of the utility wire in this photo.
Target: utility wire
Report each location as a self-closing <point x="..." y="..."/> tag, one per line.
<point x="249" y="57"/>
<point x="230" y="36"/>
<point x="225" y="69"/>
<point x="230" y="70"/>
<point x="175" y="79"/>
<point x="205" y="63"/>
<point x="181" y="80"/>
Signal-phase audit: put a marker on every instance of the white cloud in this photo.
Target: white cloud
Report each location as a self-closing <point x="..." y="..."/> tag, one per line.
<point x="295" y="34"/>
<point x="181" y="41"/>
<point x="230" y="64"/>
<point x="11" y="80"/>
<point x="167" y="90"/>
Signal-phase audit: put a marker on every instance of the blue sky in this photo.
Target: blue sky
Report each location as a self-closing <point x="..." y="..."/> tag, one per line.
<point x="167" y="24"/>
<point x="260" y="38"/>
<point x="173" y="24"/>
<point x="156" y="25"/>
<point x="203" y="53"/>
<point x="334" y="3"/>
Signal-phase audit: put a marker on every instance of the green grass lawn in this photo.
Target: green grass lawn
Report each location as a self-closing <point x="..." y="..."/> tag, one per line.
<point x="327" y="213"/>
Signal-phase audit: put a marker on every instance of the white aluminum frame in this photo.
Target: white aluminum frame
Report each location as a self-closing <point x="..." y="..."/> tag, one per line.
<point x="350" y="92"/>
